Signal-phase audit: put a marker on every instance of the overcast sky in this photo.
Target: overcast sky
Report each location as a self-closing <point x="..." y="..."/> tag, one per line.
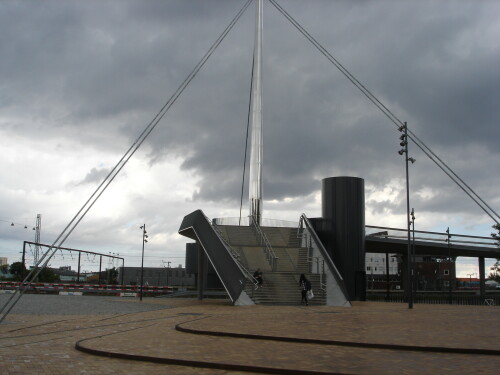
<point x="81" y="79"/>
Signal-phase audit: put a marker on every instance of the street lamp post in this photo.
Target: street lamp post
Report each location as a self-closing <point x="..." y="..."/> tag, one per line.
<point x="414" y="284"/>
<point x="448" y="237"/>
<point x="404" y="150"/>
<point x="144" y="240"/>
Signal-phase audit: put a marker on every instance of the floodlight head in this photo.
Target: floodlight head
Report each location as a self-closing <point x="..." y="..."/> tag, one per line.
<point x="141" y="227"/>
<point x="146" y="236"/>
<point x="402" y="137"/>
<point x="11" y="224"/>
<point x="412" y="160"/>
<point x="401" y="128"/>
<point x="403" y="144"/>
<point x="401" y="152"/>
<point x="145" y="240"/>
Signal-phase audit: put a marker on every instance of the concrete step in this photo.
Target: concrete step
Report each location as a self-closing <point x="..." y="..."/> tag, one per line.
<point x="281" y="288"/>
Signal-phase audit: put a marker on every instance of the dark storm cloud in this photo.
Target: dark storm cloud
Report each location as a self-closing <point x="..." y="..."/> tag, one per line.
<point x="99" y="71"/>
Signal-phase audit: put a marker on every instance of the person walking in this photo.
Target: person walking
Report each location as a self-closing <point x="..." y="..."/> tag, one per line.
<point x="305" y="286"/>
<point x="257" y="275"/>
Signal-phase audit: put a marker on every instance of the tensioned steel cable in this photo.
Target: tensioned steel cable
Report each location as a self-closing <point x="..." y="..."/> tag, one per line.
<point x="118" y="167"/>
<point x="392" y="117"/>
<point x="246" y="138"/>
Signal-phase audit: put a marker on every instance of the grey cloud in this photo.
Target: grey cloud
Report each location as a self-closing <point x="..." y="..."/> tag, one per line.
<point x="115" y="63"/>
<point x="94" y="177"/>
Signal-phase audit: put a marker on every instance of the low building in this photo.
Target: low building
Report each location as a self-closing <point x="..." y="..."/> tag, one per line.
<point x="156" y="276"/>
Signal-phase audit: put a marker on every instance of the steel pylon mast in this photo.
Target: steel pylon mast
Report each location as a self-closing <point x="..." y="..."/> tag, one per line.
<point x="255" y="184"/>
<point x="38" y="229"/>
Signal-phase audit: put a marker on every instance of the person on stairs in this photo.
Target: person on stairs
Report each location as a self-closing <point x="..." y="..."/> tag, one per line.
<point x="257" y="275"/>
<point x="305" y="286"/>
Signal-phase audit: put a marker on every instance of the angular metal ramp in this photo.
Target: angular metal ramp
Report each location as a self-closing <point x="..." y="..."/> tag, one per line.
<point x="197" y="227"/>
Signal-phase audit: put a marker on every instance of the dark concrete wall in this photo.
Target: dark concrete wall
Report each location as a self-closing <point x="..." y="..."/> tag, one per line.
<point x="212" y="280"/>
<point x="342" y="230"/>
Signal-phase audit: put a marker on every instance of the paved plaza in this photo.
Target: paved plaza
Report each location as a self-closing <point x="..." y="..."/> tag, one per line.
<point x="106" y="335"/>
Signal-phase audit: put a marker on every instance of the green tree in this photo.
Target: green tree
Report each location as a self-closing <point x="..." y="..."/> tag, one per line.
<point x="18" y="270"/>
<point x="495" y="269"/>
<point x="46" y="275"/>
<point x="112" y="275"/>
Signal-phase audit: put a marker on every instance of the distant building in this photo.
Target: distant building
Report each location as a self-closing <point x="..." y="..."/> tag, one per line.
<point x="434" y="273"/>
<point x="4" y="269"/>
<point x="431" y="273"/>
<point x="156" y="276"/>
<point x="375" y="264"/>
<point x="468" y="283"/>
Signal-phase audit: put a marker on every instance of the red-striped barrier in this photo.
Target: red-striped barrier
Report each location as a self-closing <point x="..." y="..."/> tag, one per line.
<point x="117" y="289"/>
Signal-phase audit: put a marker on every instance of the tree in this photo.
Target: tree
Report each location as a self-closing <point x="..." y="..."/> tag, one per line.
<point x="112" y="277"/>
<point x="47" y="275"/>
<point x="18" y="270"/>
<point x="496" y="236"/>
<point x="495" y="274"/>
<point x="94" y="279"/>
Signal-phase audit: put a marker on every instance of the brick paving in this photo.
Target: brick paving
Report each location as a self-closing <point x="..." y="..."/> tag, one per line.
<point x="46" y="344"/>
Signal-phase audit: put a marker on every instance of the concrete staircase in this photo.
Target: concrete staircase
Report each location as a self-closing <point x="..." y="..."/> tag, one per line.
<point x="280" y="287"/>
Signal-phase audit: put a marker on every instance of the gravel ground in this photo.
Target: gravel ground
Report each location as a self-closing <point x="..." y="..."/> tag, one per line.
<point x="79" y="305"/>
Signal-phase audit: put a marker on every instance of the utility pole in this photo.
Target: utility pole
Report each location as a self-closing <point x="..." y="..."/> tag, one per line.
<point x="144" y="240"/>
<point x="38" y="229"/>
<point x="448" y="237"/>
<point x="404" y="150"/>
<point x="168" y="270"/>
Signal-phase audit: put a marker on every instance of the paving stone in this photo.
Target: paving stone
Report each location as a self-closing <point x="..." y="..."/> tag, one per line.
<point x="45" y="344"/>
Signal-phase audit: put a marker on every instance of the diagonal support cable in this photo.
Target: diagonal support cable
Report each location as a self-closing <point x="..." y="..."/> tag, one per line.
<point x="392" y="117"/>
<point x="33" y="274"/>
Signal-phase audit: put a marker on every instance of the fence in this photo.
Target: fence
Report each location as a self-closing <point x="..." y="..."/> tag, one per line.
<point x="442" y="298"/>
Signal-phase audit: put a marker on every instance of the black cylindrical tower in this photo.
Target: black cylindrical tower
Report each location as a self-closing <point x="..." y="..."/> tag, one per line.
<point x="343" y="211"/>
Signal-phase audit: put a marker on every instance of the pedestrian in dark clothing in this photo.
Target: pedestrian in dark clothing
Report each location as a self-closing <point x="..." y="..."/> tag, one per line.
<point x="257" y="275"/>
<point x="305" y="286"/>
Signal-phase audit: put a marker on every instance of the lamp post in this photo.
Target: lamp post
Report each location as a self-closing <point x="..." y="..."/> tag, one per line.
<point x="448" y="237"/>
<point x="414" y="285"/>
<point x="404" y="150"/>
<point x="144" y="240"/>
<point x="470" y="278"/>
<point x="168" y="270"/>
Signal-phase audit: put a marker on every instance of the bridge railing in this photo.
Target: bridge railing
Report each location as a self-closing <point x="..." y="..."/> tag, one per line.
<point x="246" y="221"/>
<point x="426" y="236"/>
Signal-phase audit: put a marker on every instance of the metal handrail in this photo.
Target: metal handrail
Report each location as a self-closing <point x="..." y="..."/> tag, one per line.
<point x="442" y="234"/>
<point x="290" y="258"/>
<point x="427" y="239"/>
<point x="306" y="224"/>
<point x="217" y="230"/>
<point x="234" y="254"/>
<point x="268" y="250"/>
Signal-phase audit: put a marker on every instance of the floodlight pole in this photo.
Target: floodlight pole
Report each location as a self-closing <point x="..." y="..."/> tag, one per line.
<point x="413" y="273"/>
<point x="450" y="295"/>
<point x="142" y="262"/>
<point x="23" y="261"/>
<point x="404" y="150"/>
